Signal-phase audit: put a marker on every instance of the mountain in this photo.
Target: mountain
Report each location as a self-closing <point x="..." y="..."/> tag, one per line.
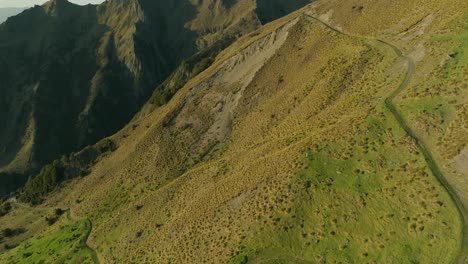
<point x="334" y="134"/>
<point x="72" y="75"/>
<point x="8" y="12"/>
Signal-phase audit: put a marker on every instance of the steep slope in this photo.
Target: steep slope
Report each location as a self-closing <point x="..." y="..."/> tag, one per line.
<point x="284" y="149"/>
<point x="298" y="144"/>
<point x="72" y="75"/>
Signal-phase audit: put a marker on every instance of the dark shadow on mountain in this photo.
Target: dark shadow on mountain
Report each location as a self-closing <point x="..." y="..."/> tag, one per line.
<point x="269" y="10"/>
<point x="64" y="85"/>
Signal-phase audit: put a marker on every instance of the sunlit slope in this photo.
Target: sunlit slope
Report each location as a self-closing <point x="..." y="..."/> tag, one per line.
<point x="287" y="149"/>
<point x="434" y="35"/>
<point x="64" y="242"/>
<point x="282" y="150"/>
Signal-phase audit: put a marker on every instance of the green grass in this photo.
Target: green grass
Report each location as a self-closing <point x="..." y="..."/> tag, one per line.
<point x="374" y="200"/>
<point x="431" y="106"/>
<point x="435" y="108"/>
<point x="63" y="243"/>
<point x="380" y="204"/>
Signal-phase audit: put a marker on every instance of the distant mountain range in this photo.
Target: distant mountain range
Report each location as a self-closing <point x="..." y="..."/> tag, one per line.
<point x="8" y="12"/>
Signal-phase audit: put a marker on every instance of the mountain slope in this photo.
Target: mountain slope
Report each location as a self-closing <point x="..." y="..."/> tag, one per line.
<point x="292" y="147"/>
<point x="82" y="72"/>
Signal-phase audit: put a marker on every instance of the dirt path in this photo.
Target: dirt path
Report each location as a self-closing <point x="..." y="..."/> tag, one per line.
<point x="84" y="240"/>
<point x="463" y="257"/>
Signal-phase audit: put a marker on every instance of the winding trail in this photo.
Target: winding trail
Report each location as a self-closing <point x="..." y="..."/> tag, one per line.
<point x="84" y="239"/>
<point x="462" y="258"/>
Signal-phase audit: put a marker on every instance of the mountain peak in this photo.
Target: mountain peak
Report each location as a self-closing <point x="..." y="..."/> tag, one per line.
<point x="57" y="2"/>
<point x="53" y="7"/>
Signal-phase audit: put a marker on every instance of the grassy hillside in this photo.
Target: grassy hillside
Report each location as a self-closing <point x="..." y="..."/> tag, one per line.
<point x="64" y="242"/>
<point x="332" y="135"/>
<point x="72" y="75"/>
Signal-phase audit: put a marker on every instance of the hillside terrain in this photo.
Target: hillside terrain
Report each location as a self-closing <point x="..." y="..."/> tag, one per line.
<point x="334" y="134"/>
<point x="72" y="75"/>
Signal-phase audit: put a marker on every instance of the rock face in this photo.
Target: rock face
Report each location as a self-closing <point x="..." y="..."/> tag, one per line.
<point x="71" y="75"/>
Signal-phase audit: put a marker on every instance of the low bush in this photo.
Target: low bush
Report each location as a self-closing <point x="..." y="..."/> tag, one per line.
<point x="41" y="184"/>
<point x="12" y="232"/>
<point x="5" y="208"/>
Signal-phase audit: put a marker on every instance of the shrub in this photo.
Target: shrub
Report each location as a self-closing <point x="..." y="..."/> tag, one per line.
<point x="41" y="184"/>
<point x="59" y="212"/>
<point x="201" y="66"/>
<point x="7" y="232"/>
<point x="242" y="259"/>
<point x="10" y="232"/>
<point x="160" y="97"/>
<point x="51" y="220"/>
<point x="8" y="247"/>
<point x="5" y="208"/>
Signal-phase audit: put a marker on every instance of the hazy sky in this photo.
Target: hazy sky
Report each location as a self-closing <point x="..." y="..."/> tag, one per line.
<point x="29" y="3"/>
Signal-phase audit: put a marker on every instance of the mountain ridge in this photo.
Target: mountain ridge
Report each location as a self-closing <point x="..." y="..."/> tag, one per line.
<point x="283" y="146"/>
<point x="125" y="49"/>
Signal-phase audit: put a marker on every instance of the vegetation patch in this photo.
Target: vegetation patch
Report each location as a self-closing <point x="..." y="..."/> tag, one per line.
<point x="43" y="183"/>
<point x="380" y="205"/>
<point x="52" y="175"/>
<point x="65" y="243"/>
